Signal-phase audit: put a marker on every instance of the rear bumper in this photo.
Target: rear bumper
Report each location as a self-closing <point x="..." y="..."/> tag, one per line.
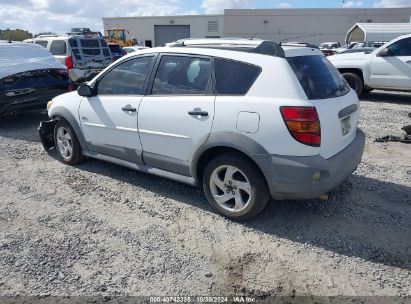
<point x="291" y="177"/>
<point x="28" y="103"/>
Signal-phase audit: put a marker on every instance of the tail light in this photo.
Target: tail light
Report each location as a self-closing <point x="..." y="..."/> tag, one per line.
<point x="303" y="124"/>
<point x="69" y="62"/>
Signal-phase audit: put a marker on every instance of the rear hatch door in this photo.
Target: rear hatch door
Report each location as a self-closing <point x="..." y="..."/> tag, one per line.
<point x="337" y="105"/>
<point x="90" y="53"/>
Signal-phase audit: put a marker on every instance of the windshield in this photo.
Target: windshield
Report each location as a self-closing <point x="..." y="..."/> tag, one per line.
<point x="318" y="77"/>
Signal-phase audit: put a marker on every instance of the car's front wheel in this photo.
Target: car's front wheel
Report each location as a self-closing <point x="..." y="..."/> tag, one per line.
<point x="67" y="144"/>
<point x="235" y="187"/>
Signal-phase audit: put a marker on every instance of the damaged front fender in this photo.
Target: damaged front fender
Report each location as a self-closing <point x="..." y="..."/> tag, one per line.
<point x="46" y="133"/>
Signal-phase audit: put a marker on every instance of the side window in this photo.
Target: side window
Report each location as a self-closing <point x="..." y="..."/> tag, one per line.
<point x="179" y="75"/>
<point x="400" y="48"/>
<point x="43" y="43"/>
<point x="125" y="79"/>
<point x="233" y="77"/>
<point x="58" y="47"/>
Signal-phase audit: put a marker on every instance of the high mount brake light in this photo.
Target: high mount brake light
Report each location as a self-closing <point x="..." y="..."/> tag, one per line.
<point x="303" y="124"/>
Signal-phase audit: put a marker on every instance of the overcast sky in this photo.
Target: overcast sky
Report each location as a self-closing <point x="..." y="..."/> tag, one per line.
<point x="60" y="15"/>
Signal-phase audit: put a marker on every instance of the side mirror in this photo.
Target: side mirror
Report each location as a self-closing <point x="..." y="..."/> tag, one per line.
<point x="384" y="53"/>
<point x="85" y="90"/>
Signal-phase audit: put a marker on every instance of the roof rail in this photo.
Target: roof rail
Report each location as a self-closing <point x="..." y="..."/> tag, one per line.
<point x="257" y="46"/>
<point x="85" y="34"/>
<point x="47" y="35"/>
<point x="302" y="44"/>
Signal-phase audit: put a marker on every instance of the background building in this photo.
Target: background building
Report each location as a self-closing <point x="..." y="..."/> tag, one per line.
<point x="155" y="31"/>
<point x="309" y="25"/>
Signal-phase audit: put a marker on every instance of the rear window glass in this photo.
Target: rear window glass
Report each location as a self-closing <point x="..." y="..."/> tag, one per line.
<point x="106" y="52"/>
<point x="73" y="43"/>
<point x="58" y="47"/>
<point x="90" y="43"/>
<point x="233" y="77"/>
<point x="115" y="49"/>
<point x="318" y="77"/>
<point x="91" y="52"/>
<point x="76" y="54"/>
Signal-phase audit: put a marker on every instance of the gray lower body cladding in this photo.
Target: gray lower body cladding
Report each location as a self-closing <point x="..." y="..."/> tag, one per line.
<point x="291" y="177"/>
<point x="288" y="177"/>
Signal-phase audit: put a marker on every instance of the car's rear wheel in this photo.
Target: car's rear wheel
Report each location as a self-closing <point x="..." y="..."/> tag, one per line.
<point x="67" y="144"/>
<point x="355" y="82"/>
<point x="235" y="187"/>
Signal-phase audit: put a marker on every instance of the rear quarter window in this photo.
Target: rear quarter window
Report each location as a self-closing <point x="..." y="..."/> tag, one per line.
<point x="43" y="43"/>
<point x="234" y="77"/>
<point x="58" y="47"/>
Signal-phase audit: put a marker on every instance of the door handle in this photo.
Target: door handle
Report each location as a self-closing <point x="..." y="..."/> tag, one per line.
<point x="129" y="108"/>
<point x="198" y="113"/>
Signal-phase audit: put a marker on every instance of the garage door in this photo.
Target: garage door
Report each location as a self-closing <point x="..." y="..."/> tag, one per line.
<point x="170" y="33"/>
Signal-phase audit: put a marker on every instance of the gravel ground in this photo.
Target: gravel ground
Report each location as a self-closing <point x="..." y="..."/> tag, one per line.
<point x="101" y="229"/>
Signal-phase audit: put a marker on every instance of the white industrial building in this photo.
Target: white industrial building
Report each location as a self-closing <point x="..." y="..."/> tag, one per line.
<point x="309" y="25"/>
<point x="155" y="31"/>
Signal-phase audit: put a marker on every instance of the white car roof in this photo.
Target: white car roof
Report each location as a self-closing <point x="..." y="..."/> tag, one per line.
<point x="218" y="41"/>
<point x="290" y="51"/>
<point x="50" y="38"/>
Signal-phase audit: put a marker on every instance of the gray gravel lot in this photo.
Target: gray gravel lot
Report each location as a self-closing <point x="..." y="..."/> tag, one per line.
<point x="101" y="229"/>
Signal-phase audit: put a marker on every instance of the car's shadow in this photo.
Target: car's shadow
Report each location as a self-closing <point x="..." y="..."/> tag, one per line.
<point x="402" y="98"/>
<point x="365" y="217"/>
<point x="22" y="126"/>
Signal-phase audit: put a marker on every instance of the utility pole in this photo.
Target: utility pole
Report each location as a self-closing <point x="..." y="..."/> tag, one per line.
<point x="342" y="3"/>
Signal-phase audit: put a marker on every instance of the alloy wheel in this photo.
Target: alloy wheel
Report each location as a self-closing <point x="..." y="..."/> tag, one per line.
<point x="64" y="143"/>
<point x="230" y="188"/>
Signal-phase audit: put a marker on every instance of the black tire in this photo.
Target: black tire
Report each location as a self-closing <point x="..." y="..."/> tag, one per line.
<point x="355" y="82"/>
<point x="259" y="193"/>
<point x="75" y="156"/>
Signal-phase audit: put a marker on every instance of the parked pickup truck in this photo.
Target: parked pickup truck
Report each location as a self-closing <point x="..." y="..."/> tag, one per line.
<point x="387" y="68"/>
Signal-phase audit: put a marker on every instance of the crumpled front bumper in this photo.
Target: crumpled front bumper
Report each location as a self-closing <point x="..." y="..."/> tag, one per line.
<point x="46" y="133"/>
